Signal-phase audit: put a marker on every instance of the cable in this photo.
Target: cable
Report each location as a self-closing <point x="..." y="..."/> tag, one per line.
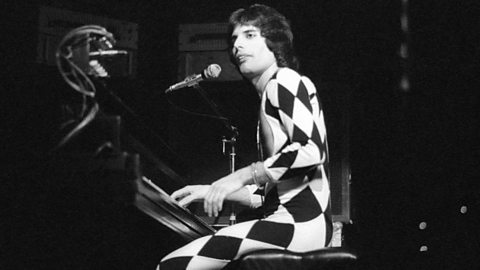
<point x="74" y="66"/>
<point x="179" y="108"/>
<point x="86" y="120"/>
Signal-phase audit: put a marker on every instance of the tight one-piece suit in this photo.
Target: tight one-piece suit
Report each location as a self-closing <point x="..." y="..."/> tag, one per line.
<point x="297" y="196"/>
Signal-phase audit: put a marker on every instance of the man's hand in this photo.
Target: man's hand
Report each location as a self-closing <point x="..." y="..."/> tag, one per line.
<point x="218" y="192"/>
<point x="215" y="194"/>
<point x="189" y="194"/>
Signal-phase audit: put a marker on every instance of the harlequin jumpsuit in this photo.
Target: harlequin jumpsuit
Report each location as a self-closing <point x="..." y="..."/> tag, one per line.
<point x="296" y="203"/>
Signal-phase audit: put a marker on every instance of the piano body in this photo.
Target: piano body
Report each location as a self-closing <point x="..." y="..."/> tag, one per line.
<point x="149" y="175"/>
<point x="97" y="203"/>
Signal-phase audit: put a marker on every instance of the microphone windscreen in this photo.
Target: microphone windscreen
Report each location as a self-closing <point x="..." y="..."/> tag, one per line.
<point x="212" y="71"/>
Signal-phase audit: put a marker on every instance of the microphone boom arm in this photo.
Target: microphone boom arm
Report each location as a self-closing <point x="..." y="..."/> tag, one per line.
<point x="226" y="122"/>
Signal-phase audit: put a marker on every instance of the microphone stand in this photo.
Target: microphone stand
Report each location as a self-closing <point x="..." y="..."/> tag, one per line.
<point x="231" y="142"/>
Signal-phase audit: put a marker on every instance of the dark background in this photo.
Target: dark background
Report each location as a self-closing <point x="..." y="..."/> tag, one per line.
<point x="413" y="154"/>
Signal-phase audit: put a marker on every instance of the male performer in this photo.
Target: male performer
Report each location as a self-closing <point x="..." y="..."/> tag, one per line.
<point x="291" y="175"/>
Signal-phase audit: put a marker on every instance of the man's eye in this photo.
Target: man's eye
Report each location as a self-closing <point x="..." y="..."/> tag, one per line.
<point x="250" y="35"/>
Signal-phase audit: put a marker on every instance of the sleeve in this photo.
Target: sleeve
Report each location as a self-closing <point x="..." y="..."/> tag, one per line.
<point x="293" y="101"/>
<point x="255" y="199"/>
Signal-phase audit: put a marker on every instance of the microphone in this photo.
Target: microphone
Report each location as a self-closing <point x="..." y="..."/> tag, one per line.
<point x="211" y="72"/>
<point x="107" y="52"/>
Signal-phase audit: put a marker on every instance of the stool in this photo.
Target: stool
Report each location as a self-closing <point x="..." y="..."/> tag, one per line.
<point x="322" y="259"/>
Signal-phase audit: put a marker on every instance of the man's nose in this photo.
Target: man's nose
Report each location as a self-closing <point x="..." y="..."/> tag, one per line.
<point x="238" y="44"/>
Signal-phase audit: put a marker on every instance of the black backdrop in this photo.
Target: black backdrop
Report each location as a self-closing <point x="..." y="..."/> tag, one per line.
<point x="414" y="155"/>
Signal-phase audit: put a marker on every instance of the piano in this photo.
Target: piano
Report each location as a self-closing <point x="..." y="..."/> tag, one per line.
<point x="149" y="174"/>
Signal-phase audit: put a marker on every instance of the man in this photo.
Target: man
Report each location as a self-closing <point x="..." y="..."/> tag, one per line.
<point x="291" y="178"/>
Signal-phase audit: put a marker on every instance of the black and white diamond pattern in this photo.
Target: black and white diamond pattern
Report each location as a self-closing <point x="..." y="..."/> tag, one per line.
<point x="297" y="200"/>
<point x="292" y="108"/>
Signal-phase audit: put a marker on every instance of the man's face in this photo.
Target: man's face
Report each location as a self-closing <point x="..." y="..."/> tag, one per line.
<point x="250" y="51"/>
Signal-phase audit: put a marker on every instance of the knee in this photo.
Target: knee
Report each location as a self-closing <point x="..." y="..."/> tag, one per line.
<point x="162" y="265"/>
<point x="169" y="265"/>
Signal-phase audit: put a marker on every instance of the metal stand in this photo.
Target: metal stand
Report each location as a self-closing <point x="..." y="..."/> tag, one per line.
<point x="233" y="217"/>
<point x="231" y="142"/>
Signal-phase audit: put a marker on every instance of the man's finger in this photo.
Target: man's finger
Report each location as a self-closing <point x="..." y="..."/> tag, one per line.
<point x="206" y="204"/>
<point x="180" y="193"/>
<point x="186" y="201"/>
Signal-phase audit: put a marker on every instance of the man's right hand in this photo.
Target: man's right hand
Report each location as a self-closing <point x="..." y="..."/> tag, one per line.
<point x="189" y="194"/>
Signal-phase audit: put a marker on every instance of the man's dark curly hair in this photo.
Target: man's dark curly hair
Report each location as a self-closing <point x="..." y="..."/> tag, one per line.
<point x="274" y="27"/>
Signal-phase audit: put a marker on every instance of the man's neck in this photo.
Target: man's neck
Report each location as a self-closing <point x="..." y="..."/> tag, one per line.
<point x="261" y="81"/>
